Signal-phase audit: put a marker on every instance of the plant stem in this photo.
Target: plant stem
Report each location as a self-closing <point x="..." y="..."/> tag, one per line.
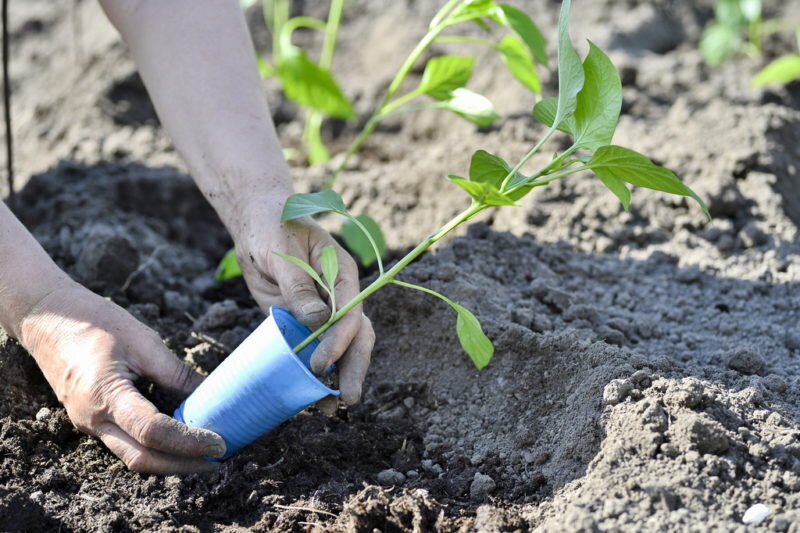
<point x="423" y="289"/>
<point x="443" y="20"/>
<point x="368" y="235"/>
<point x="525" y="159"/>
<point x="389" y="275"/>
<point x="280" y="14"/>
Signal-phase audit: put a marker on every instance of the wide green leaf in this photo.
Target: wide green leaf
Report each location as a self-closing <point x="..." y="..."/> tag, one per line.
<point x="228" y="267"/>
<point x="783" y="70"/>
<point x="618" y="187"/>
<point x="488" y="168"/>
<point x="310" y="85"/>
<point x="718" y="43"/>
<point x="599" y="102"/>
<point x="520" y="62"/>
<point x="330" y="265"/>
<point x="634" y="168"/>
<point x="528" y="31"/>
<point x="445" y="74"/>
<point x="308" y="269"/>
<point x="309" y="204"/>
<point x="471" y="106"/>
<point x="482" y="193"/>
<point x="358" y="243"/>
<point x="472" y="338"/>
<point x="570" y="69"/>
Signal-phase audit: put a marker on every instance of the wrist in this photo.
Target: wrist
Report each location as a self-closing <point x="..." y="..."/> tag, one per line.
<point x="51" y="301"/>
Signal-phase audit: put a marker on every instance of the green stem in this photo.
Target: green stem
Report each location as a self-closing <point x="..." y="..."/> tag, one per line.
<point x="550" y="178"/>
<point x="424" y="289"/>
<point x="368" y="235"/>
<point x="443" y="22"/>
<point x="526" y="158"/>
<point x="331" y="31"/>
<point x="280" y="14"/>
<point x="397" y="102"/>
<point x="389" y="275"/>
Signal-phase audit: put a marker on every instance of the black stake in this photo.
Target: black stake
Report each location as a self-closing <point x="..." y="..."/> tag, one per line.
<point x="7" y="107"/>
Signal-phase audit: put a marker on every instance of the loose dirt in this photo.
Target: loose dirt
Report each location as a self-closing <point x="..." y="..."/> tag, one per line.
<point x="647" y="363"/>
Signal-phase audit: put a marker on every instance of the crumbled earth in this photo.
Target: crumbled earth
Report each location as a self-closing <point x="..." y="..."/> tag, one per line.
<point x="647" y="363"/>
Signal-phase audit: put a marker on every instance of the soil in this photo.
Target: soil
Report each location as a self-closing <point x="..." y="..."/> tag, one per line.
<point x="647" y="363"/>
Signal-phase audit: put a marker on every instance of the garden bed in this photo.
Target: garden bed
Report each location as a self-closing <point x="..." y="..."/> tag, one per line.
<point x="647" y="363"/>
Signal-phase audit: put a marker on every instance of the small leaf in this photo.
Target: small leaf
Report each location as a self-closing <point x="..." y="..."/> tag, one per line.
<point x="482" y="193"/>
<point x="357" y="242"/>
<point x="751" y="9"/>
<point x="528" y="31"/>
<point x="783" y="70"/>
<point x="308" y="204"/>
<point x="729" y="13"/>
<point x="471" y="106"/>
<point x="472" y="338"/>
<point x="303" y="265"/>
<point x="330" y="265"/>
<point x="570" y="69"/>
<point x="445" y="74"/>
<point x="634" y="168"/>
<point x="718" y="43"/>
<point x="310" y="85"/>
<point x="484" y="8"/>
<point x="488" y="168"/>
<point x="545" y="112"/>
<point x="520" y="63"/>
<point x="618" y="187"/>
<point x="599" y="102"/>
<point x="228" y="267"/>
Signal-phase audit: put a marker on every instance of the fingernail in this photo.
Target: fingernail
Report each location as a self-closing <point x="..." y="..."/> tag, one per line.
<point x="217" y="450"/>
<point x="313" y="308"/>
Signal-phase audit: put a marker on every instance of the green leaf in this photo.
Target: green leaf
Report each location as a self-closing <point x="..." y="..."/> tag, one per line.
<point x="310" y="85"/>
<point x="729" y="13"/>
<point x="783" y="70"/>
<point x="618" y="187"/>
<point x="445" y="74"/>
<point x="626" y="165"/>
<point x="483" y="8"/>
<point x="308" y="269"/>
<point x="599" y="102"/>
<point x="357" y="242"/>
<point x="472" y="338"/>
<point x="570" y="69"/>
<point x="718" y="43"/>
<point x="545" y="112"/>
<point x="751" y="9"/>
<point x="488" y="168"/>
<point x="308" y="204"/>
<point x="471" y="106"/>
<point x="265" y="70"/>
<point x="520" y="62"/>
<point x="330" y="265"/>
<point x="482" y="193"/>
<point x="528" y="31"/>
<point x="228" y="267"/>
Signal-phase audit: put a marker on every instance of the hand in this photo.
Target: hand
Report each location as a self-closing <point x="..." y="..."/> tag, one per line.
<point x="91" y="351"/>
<point x="275" y="281"/>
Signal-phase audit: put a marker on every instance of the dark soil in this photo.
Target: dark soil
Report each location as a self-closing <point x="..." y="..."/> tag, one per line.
<point x="647" y="363"/>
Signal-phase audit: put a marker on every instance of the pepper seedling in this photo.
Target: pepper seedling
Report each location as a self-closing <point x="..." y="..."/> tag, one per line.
<point x="735" y="19"/>
<point x="587" y="108"/>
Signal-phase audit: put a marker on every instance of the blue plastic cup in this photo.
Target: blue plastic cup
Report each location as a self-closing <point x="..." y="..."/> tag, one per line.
<point x="260" y="385"/>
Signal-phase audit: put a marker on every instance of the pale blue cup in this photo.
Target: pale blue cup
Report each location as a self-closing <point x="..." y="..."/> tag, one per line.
<point x="260" y="385"/>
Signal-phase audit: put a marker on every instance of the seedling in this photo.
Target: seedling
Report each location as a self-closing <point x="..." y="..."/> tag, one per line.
<point x="445" y="77"/>
<point x="587" y="108"/>
<point x="739" y="27"/>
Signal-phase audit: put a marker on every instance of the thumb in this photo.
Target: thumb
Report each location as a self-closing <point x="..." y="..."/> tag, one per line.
<point x="300" y="294"/>
<point x="164" y="368"/>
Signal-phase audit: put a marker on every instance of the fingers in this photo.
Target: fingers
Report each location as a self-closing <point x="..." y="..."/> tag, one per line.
<point x="165" y="369"/>
<point x="336" y="340"/>
<point x="145" y="460"/>
<point x="140" y="419"/>
<point x="354" y="363"/>
<point x="328" y="405"/>
<point x="301" y="295"/>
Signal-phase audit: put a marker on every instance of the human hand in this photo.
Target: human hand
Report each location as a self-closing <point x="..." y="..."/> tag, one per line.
<point x="275" y="281"/>
<point x="91" y="351"/>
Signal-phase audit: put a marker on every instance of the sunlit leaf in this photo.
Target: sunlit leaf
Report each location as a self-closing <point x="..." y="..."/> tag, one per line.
<point x="228" y="267"/>
<point x="471" y="106"/>
<point x="330" y="265"/>
<point x="483" y="193"/>
<point x="783" y="70"/>
<point x="310" y="85"/>
<point x="308" y="269"/>
<point x="308" y="204"/>
<point x="472" y="338"/>
<point x="528" y="31"/>
<point x="445" y="74"/>
<point x="520" y="62"/>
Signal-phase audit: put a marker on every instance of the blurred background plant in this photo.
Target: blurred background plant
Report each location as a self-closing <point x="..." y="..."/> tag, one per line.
<point x="739" y="26"/>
